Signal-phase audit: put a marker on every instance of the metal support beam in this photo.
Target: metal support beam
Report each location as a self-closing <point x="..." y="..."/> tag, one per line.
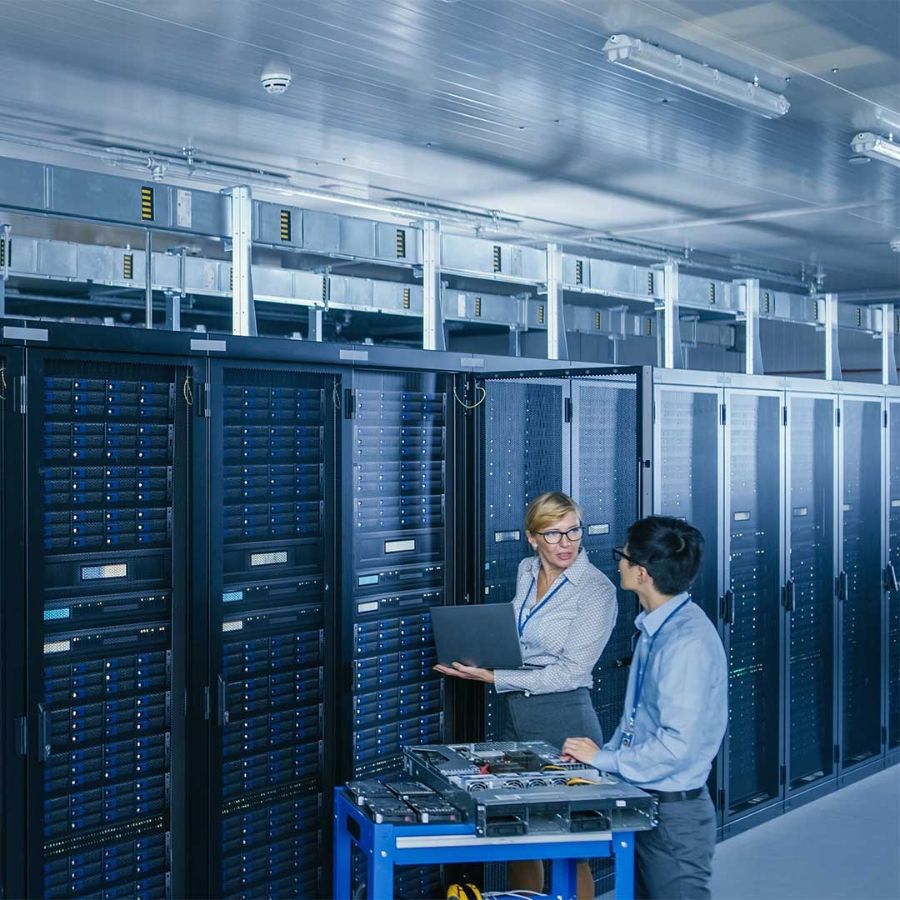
<point x="515" y="341"/>
<point x="432" y="313"/>
<point x="888" y="359"/>
<point x="243" y="313"/>
<point x="672" y="357"/>
<point x="315" y="324"/>
<point x="173" y="310"/>
<point x="148" y="280"/>
<point x="748" y="289"/>
<point x="832" y="353"/>
<point x="557" y="345"/>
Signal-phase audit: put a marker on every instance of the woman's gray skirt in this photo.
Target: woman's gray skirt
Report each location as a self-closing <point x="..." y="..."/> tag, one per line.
<point x="550" y="717"/>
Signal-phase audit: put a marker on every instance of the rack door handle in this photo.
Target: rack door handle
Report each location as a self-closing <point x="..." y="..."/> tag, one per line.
<point x="842" y="586"/>
<point x="890" y="579"/>
<point x="222" y="714"/>
<point x="43" y="733"/>
<point x="789" y="595"/>
<point x="728" y="608"/>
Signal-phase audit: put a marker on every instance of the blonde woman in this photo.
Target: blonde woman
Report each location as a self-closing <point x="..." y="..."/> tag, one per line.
<point x="566" y="610"/>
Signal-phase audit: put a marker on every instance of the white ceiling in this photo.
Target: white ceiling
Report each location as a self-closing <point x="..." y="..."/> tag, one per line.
<point x="498" y="104"/>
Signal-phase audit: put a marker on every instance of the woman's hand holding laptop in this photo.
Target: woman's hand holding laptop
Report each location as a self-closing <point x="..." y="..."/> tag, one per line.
<point x="471" y="673"/>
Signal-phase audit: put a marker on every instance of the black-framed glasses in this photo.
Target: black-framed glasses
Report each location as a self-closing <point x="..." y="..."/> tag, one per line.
<point x="619" y="553"/>
<point x="554" y="537"/>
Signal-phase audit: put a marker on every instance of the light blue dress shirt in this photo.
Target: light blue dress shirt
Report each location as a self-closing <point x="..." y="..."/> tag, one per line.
<point x="682" y="711"/>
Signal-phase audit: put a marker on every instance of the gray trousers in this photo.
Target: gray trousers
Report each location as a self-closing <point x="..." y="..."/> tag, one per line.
<point x="674" y="860"/>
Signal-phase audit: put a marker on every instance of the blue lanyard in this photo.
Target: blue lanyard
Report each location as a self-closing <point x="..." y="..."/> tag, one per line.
<point x="539" y="605"/>
<point x="639" y="681"/>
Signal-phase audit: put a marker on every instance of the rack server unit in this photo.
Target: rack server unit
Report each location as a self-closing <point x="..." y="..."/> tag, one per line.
<point x="688" y="442"/>
<point x="809" y="595"/>
<point x="524" y="453"/>
<point x="398" y="524"/>
<point x="272" y="475"/>
<point x="751" y="610"/>
<point x="106" y="472"/>
<point x="397" y="475"/>
<point x="860" y="588"/>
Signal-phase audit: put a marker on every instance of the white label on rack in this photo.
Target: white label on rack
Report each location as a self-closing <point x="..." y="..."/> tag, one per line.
<point x="598" y="529"/>
<point x="112" y="570"/>
<point x="268" y="559"/>
<point x="399" y="546"/>
<point x="57" y="647"/>
<point x="742" y="517"/>
<point x="367" y="607"/>
<point x="237" y="625"/>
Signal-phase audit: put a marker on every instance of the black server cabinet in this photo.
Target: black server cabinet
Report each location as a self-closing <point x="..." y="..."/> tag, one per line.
<point x="398" y="562"/>
<point x="606" y="473"/>
<point x="752" y="602"/>
<point x="891" y="580"/>
<point x="579" y="433"/>
<point x="271" y="620"/>
<point x="521" y="441"/>
<point x="12" y="621"/>
<point x="106" y="475"/>
<point x="688" y="456"/>
<point x="399" y="540"/>
<point x="809" y="594"/>
<point x="860" y="588"/>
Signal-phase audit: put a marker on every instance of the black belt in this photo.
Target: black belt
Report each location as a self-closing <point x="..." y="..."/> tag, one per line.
<point x="672" y="796"/>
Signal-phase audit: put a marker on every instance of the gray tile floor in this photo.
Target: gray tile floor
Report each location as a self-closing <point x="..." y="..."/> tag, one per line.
<point x="845" y="846"/>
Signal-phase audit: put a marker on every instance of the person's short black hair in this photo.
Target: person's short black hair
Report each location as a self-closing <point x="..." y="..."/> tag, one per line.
<point x="668" y="549"/>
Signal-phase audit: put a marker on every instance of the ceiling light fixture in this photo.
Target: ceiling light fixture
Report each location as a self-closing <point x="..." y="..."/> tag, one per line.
<point x="676" y="69"/>
<point x="877" y="147"/>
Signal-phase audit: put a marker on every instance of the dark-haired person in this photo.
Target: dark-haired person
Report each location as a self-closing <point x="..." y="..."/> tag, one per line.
<point x="676" y="710"/>
<point x="566" y="611"/>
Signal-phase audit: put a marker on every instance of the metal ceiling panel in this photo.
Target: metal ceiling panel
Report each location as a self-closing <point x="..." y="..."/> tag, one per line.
<point x="501" y="104"/>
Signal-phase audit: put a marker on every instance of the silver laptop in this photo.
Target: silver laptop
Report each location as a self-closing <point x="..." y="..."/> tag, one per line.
<point x="485" y="635"/>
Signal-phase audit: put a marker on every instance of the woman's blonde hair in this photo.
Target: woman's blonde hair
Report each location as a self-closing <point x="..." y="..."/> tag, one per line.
<point x="548" y="509"/>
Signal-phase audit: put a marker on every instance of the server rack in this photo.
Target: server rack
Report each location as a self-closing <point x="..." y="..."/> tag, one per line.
<point x="586" y="434"/>
<point x="688" y="451"/>
<point x="809" y="601"/>
<point x="892" y="586"/>
<point x="524" y="453"/>
<point x="106" y="475"/>
<point x="12" y="618"/>
<point x="751" y="606"/>
<point x="271" y="615"/>
<point x="860" y="585"/>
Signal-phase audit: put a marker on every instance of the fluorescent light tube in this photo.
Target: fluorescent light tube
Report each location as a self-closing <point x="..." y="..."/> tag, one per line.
<point x="877" y="147"/>
<point x="694" y="76"/>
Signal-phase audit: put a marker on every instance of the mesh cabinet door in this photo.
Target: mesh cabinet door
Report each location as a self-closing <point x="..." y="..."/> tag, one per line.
<point x="810" y="600"/>
<point x="860" y="582"/>
<point x="893" y="574"/>
<point x="523" y="455"/>
<point x="689" y="440"/>
<point x="605" y="481"/>
<point x="752" y="607"/>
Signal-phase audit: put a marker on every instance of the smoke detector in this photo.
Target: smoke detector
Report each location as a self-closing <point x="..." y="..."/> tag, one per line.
<point x="276" y="77"/>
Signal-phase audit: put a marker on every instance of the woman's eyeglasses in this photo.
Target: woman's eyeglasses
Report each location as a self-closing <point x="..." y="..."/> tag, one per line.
<point x="554" y="537"/>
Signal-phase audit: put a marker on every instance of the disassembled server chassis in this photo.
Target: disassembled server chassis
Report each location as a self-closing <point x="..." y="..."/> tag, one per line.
<point x="509" y="788"/>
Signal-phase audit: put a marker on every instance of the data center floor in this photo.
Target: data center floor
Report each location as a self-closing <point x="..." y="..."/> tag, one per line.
<point x="841" y="847"/>
<point x="845" y="846"/>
